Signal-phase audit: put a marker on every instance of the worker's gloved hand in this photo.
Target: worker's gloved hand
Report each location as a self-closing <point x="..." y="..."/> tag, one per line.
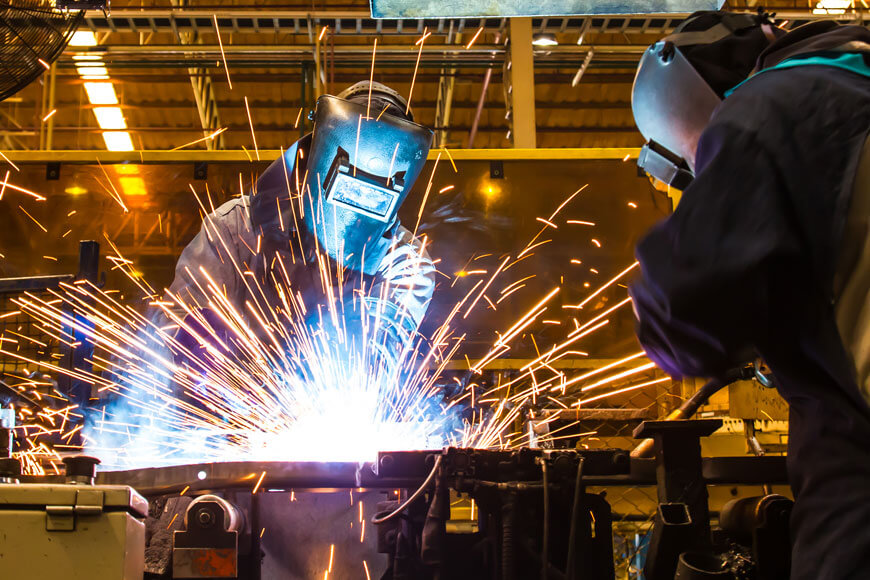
<point x="201" y="330"/>
<point x="366" y="340"/>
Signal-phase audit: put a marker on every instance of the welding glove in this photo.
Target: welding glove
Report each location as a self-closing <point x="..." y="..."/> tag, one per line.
<point x="371" y="337"/>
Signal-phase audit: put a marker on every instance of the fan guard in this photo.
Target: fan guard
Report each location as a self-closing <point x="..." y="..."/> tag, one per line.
<point x="33" y="33"/>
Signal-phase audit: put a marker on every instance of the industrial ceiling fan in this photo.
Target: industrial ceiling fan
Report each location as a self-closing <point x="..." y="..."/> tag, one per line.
<point x="33" y="33"/>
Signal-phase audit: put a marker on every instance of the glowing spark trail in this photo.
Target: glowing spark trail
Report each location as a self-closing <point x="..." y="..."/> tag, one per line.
<point x="217" y="31"/>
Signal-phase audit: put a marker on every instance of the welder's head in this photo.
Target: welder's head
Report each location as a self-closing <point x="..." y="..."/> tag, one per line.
<point x="366" y="152"/>
<point x="378" y="98"/>
<point x="681" y="80"/>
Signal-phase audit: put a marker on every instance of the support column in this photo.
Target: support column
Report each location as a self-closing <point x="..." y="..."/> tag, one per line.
<point x="522" y="83"/>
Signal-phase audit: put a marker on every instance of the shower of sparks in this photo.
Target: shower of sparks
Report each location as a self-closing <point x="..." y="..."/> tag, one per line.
<point x="270" y="385"/>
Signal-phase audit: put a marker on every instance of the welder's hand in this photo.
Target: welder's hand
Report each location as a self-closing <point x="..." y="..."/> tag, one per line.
<point x="359" y="344"/>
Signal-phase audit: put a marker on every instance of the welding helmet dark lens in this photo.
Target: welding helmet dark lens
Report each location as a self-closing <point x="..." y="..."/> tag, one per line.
<point x="360" y="170"/>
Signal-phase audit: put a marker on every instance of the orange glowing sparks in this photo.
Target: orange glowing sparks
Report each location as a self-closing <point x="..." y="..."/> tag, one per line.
<point x="217" y="31"/>
<point x="596" y="243"/>
<point x="322" y="33"/>
<point x="476" y="35"/>
<point x="251" y="123"/>
<point x="422" y="41"/>
<point x="632" y="205"/>
<point x="259" y="481"/>
<point x="49" y="115"/>
<point x="7" y="160"/>
<point x="42" y="227"/>
<point x="200" y="140"/>
<point x="371" y="81"/>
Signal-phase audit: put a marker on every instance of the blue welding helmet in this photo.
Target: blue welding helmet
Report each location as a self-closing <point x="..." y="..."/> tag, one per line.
<point x="360" y="170"/>
<point x="683" y="78"/>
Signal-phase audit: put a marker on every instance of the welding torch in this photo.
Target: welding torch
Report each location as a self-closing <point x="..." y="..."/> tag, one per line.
<point x="690" y="406"/>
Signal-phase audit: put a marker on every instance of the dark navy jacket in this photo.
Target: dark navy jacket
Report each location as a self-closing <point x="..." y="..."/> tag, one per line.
<point x="745" y="266"/>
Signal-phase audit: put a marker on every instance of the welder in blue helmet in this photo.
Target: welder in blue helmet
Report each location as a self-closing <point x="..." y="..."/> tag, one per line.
<point x="324" y="217"/>
<point x="767" y="253"/>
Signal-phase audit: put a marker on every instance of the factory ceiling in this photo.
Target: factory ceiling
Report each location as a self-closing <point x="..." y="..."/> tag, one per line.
<point x="175" y="80"/>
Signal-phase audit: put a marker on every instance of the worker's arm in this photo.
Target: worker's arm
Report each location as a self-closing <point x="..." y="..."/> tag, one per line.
<point x="389" y="312"/>
<point x="207" y="265"/>
<point x="707" y="269"/>
<point x="405" y="280"/>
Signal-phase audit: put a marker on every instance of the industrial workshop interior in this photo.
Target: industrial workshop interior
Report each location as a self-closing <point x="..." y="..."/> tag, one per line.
<point x="415" y="290"/>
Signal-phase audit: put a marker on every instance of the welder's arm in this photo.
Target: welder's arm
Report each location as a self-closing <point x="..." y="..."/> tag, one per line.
<point x="707" y="270"/>
<point x="401" y="293"/>
<point x="208" y="259"/>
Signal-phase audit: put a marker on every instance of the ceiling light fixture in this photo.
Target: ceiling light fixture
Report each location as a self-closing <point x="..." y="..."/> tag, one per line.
<point x="83" y="38"/>
<point x="544" y="39"/>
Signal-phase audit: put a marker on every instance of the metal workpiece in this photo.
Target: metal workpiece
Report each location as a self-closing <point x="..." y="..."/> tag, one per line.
<point x="408" y="469"/>
<point x="245" y="474"/>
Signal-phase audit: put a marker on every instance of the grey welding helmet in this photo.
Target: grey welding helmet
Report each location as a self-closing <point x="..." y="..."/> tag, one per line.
<point x="360" y="170"/>
<point x="683" y="78"/>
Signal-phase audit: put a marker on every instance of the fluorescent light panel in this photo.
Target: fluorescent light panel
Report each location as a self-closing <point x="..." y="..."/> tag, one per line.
<point x="83" y="38"/>
<point x="110" y="118"/>
<point x="92" y="70"/>
<point x="101" y="93"/>
<point x="118" y="141"/>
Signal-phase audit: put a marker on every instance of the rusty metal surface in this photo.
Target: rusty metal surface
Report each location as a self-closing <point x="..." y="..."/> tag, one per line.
<point x="204" y="563"/>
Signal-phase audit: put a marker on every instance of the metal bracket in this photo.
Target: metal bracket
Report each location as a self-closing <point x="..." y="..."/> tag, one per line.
<point x="62" y="518"/>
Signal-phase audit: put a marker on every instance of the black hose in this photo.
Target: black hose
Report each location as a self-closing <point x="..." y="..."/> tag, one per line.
<point x="545" y="549"/>
<point x="378" y="519"/>
<point x="575" y="516"/>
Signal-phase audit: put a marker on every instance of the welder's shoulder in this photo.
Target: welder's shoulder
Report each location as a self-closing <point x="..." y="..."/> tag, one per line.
<point x="774" y="103"/>
<point x="232" y="215"/>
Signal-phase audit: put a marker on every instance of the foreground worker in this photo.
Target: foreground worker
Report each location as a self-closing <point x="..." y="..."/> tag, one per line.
<point x="768" y="252"/>
<point x="335" y="194"/>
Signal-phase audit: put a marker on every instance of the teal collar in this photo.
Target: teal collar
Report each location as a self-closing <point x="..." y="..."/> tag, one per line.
<point x="850" y="61"/>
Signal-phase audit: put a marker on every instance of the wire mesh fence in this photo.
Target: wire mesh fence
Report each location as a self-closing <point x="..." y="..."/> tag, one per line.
<point x="24" y="337"/>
